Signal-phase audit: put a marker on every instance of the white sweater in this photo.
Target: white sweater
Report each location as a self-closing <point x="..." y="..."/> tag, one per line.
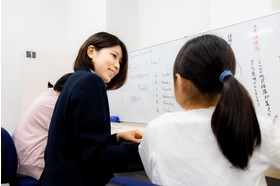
<point x="180" y="149"/>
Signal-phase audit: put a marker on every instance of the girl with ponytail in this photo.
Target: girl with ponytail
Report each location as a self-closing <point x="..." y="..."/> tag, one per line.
<point x="217" y="139"/>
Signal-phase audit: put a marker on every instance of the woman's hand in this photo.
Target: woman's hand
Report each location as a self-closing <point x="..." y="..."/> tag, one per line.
<point x="132" y="136"/>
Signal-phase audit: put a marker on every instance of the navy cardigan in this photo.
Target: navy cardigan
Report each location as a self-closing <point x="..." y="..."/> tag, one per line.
<point x="81" y="150"/>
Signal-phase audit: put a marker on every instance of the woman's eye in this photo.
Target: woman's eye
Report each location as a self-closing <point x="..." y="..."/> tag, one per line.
<point x="114" y="55"/>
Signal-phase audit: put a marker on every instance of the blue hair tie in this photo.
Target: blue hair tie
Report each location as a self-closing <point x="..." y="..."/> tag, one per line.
<point x="225" y="74"/>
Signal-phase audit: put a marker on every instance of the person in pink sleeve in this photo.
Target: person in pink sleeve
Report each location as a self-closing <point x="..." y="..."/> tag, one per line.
<point x="30" y="136"/>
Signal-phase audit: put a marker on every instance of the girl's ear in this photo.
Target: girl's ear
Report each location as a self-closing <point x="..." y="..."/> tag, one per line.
<point x="90" y="51"/>
<point x="183" y="85"/>
<point x="180" y="83"/>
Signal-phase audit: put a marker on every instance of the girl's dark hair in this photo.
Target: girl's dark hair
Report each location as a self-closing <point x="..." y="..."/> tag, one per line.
<point x="234" y="122"/>
<point x="99" y="41"/>
<point x="60" y="82"/>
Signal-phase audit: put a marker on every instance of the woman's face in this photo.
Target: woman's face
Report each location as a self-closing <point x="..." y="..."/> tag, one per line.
<point x="106" y="61"/>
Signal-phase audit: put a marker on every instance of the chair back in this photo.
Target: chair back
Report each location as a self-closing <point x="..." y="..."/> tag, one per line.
<point x="127" y="181"/>
<point x="8" y="157"/>
<point x="9" y="163"/>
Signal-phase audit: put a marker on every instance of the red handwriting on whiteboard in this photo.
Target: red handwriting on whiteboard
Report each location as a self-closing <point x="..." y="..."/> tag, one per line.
<point x="256" y="43"/>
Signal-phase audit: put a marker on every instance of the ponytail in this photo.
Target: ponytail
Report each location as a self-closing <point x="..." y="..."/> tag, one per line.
<point x="203" y="61"/>
<point x="235" y="124"/>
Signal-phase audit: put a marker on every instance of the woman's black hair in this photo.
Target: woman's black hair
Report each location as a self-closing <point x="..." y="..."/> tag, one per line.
<point x="234" y="122"/>
<point x="60" y="82"/>
<point x="99" y="41"/>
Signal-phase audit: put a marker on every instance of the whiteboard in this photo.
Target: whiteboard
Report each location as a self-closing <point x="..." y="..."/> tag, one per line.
<point x="256" y="44"/>
<point x="148" y="91"/>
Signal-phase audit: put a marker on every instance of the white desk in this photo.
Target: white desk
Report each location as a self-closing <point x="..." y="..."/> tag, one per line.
<point x="122" y="127"/>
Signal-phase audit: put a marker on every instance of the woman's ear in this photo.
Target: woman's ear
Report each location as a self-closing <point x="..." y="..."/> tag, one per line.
<point x="90" y="51"/>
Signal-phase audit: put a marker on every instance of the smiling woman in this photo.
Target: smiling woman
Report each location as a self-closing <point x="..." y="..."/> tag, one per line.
<point x="100" y="43"/>
<point x="80" y="148"/>
<point x="106" y="61"/>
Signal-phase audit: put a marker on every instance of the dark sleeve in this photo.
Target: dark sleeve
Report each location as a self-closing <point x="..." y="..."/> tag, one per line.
<point x="113" y="139"/>
<point x="98" y="150"/>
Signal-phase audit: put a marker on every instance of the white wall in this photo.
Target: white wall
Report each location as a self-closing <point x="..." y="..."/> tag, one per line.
<point x="225" y="13"/>
<point x="55" y="30"/>
<point x="34" y="25"/>
<point x="84" y="18"/>
<point x="122" y="20"/>
<point x="165" y="20"/>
